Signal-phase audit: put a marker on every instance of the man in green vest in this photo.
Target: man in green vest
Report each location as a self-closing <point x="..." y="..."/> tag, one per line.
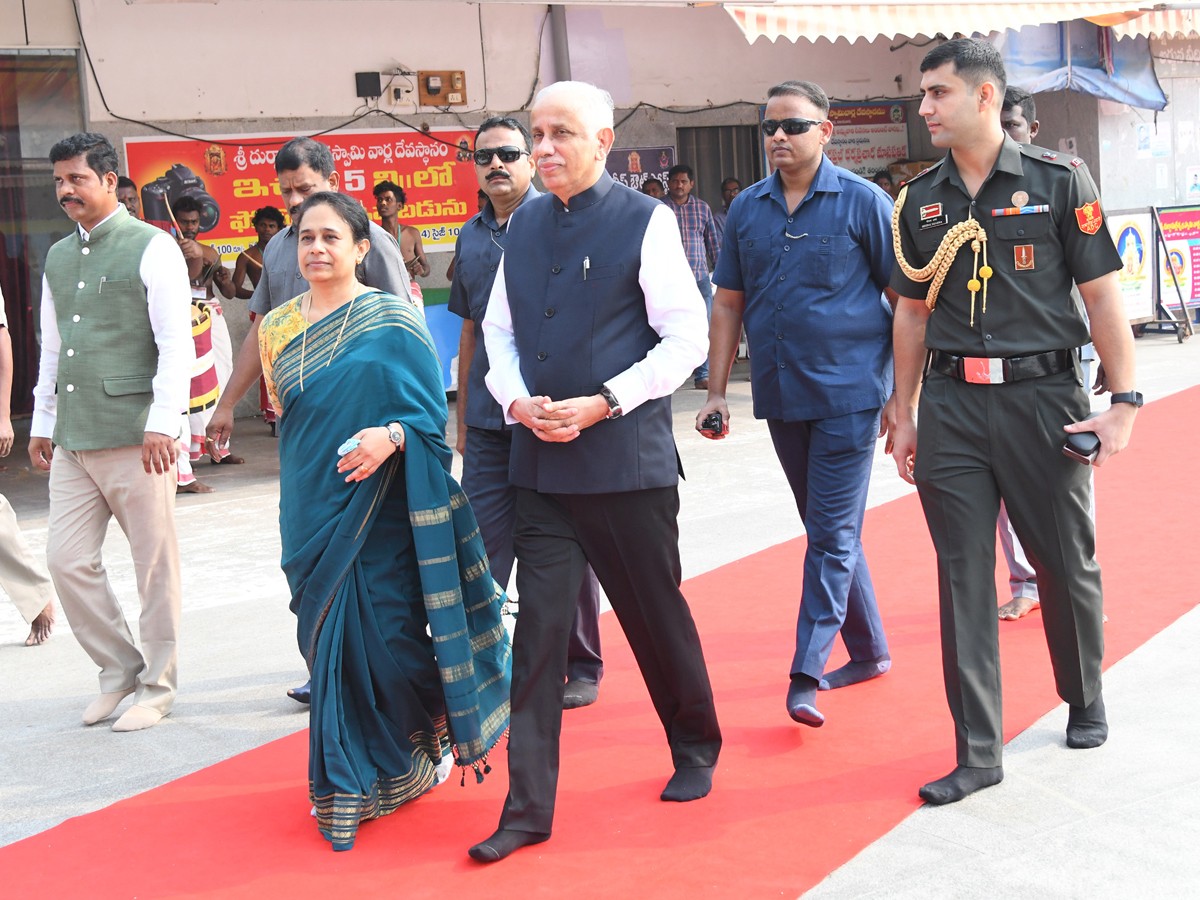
<point x="114" y="375"/>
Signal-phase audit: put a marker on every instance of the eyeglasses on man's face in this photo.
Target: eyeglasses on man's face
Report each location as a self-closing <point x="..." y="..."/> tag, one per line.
<point x="506" y="154"/>
<point x="789" y="126"/>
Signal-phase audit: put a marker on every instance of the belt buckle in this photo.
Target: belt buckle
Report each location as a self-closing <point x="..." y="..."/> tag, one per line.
<point x="983" y="370"/>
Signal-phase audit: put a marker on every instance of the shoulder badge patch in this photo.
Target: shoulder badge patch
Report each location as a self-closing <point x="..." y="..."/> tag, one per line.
<point x="1076" y="163"/>
<point x="1048" y="155"/>
<point x="1089" y="218"/>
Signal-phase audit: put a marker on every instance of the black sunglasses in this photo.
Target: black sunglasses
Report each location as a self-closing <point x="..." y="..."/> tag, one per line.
<point x="506" y="154"/>
<point x="789" y="126"/>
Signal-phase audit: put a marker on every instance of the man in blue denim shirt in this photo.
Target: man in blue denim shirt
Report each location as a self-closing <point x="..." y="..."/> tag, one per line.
<point x="805" y="262"/>
<point x="484" y="441"/>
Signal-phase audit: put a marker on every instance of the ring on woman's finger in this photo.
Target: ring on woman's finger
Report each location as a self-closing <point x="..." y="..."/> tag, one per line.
<point x="365" y="467"/>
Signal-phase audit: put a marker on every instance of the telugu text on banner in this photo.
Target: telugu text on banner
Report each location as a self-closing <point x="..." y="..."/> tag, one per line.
<point x="1181" y="229"/>
<point x="867" y="136"/>
<point x="231" y="177"/>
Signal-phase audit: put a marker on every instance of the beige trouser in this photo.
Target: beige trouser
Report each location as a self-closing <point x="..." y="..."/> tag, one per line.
<point x="87" y="488"/>
<point x="23" y="578"/>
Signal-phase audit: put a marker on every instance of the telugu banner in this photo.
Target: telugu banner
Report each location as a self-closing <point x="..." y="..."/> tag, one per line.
<point x="867" y="136"/>
<point x="1181" y="229"/>
<point x="235" y="175"/>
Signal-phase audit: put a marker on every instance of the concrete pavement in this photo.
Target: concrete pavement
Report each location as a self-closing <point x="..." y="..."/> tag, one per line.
<point x="1121" y="820"/>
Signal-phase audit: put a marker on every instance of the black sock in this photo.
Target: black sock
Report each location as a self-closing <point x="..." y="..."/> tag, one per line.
<point x="802" y="701"/>
<point x="1087" y="726"/>
<point x="688" y="783"/>
<point x="504" y="842"/>
<point x="854" y="672"/>
<point x="963" y="781"/>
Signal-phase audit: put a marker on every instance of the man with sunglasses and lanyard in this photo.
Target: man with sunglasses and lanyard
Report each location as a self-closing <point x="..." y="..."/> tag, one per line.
<point x="805" y="262"/>
<point x="505" y="172"/>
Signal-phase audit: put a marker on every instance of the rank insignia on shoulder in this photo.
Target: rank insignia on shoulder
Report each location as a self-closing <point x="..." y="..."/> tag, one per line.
<point x="1089" y="218"/>
<point x="923" y="172"/>
<point x="1023" y="257"/>
<point x="1076" y="163"/>
<point x="1049" y="155"/>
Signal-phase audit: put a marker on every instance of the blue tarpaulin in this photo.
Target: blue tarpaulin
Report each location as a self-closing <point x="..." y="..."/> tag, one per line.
<point x="1083" y="57"/>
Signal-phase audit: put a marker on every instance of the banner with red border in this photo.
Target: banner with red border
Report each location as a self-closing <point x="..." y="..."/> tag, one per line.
<point x="232" y="176"/>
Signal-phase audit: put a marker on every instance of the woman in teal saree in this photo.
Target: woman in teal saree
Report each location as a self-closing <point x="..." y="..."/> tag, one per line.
<point x="398" y="615"/>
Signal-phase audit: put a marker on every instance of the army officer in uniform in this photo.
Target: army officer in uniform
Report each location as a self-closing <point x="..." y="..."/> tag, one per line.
<point x="987" y="244"/>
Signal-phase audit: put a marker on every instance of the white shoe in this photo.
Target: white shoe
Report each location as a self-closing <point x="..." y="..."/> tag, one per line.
<point x="444" y="768"/>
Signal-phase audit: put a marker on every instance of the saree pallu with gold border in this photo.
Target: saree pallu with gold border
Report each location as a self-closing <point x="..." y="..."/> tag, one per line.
<point x="372" y="564"/>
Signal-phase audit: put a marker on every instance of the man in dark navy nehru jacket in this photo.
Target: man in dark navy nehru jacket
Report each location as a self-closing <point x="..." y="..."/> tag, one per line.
<point x="594" y="320"/>
<point x="504" y="167"/>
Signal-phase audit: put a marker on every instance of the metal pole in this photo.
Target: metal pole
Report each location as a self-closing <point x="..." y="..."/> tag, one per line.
<point x="558" y="42"/>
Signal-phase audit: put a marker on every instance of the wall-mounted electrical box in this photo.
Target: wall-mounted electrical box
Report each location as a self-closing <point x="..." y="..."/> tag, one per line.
<point x="442" y="87"/>
<point x="367" y="85"/>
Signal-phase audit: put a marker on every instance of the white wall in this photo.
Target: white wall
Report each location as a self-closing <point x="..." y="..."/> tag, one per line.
<point x="1136" y="177"/>
<point x="231" y="66"/>
<point x="51" y="24"/>
<point x="698" y="57"/>
<point x="291" y="59"/>
<point x="295" y="59"/>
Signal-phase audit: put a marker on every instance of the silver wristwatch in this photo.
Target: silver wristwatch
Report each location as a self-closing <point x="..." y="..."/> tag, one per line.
<point x="614" y="405"/>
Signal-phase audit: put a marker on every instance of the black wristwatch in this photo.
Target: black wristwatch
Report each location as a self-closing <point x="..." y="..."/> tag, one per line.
<point x="614" y="405"/>
<point x="1127" y="397"/>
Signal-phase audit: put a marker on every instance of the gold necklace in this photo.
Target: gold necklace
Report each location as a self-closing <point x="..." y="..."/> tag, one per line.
<point x="304" y="335"/>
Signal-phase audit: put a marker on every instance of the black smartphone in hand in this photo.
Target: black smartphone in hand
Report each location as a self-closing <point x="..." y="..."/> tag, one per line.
<point x="1082" y="446"/>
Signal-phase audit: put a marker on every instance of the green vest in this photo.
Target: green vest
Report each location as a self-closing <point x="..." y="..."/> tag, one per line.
<point x="108" y="357"/>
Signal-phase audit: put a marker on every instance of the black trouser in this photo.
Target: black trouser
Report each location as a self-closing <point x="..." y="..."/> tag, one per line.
<point x="631" y="540"/>
<point x="978" y="443"/>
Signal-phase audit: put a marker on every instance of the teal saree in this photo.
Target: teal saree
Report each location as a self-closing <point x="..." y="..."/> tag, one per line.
<point x="398" y="615"/>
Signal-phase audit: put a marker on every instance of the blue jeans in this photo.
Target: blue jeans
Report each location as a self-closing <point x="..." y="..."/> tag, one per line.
<point x="828" y="465"/>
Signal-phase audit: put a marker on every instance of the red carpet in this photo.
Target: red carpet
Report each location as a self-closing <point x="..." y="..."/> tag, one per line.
<point x="789" y="806"/>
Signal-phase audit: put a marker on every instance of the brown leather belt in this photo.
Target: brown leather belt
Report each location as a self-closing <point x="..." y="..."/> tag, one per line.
<point x="997" y="370"/>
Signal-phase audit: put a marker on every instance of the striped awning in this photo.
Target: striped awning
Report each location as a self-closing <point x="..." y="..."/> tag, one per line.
<point x="1162" y="23"/>
<point x="851" y="21"/>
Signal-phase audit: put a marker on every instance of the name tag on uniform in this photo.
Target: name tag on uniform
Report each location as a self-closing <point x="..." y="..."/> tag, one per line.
<point x="932" y="216"/>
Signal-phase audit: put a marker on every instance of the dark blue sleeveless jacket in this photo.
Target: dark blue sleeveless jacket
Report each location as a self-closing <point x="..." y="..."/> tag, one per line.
<point x="574" y="333"/>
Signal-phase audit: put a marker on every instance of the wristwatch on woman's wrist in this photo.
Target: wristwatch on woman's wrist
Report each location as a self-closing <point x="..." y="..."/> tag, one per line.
<point x="395" y="435"/>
